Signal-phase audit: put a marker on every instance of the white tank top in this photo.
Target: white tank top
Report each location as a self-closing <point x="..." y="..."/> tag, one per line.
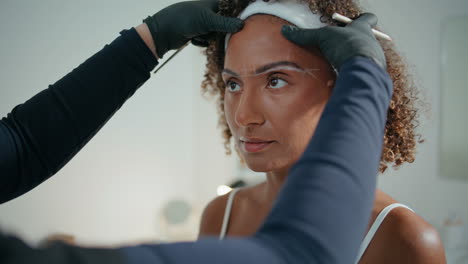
<point x="365" y="243"/>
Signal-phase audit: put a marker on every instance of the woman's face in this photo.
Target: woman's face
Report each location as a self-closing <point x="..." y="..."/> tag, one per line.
<point x="275" y="94"/>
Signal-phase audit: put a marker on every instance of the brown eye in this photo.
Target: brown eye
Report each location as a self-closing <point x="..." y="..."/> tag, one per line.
<point x="233" y="86"/>
<point x="276" y="83"/>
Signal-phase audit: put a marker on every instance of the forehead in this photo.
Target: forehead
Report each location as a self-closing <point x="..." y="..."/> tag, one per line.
<point x="260" y="42"/>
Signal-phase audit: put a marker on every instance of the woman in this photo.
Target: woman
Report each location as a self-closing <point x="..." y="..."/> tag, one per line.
<point x="40" y="136"/>
<point x="271" y="97"/>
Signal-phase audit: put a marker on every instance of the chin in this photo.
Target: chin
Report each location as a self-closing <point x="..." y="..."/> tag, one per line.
<point x="258" y="168"/>
<point x="264" y="164"/>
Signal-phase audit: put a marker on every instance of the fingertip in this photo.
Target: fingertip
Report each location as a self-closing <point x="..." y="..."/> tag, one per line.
<point x="288" y="31"/>
<point x="238" y="24"/>
<point x="369" y="18"/>
<point x="289" y="28"/>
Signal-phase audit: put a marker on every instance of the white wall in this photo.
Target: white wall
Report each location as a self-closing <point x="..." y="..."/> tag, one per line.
<point x="164" y="143"/>
<point x="416" y="28"/>
<point x="111" y="191"/>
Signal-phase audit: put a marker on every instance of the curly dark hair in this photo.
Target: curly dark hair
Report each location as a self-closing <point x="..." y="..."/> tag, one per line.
<point x="400" y="136"/>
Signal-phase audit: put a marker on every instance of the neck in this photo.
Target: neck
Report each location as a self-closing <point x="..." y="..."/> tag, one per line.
<point x="274" y="181"/>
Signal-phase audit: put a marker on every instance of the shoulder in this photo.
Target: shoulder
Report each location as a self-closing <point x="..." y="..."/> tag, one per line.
<point x="412" y="239"/>
<point x="212" y="216"/>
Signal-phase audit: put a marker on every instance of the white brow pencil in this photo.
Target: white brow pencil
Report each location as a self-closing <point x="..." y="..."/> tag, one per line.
<point x="348" y="20"/>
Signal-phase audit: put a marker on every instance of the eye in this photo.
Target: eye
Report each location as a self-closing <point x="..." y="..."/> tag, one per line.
<point x="232" y="86"/>
<point x="276" y="83"/>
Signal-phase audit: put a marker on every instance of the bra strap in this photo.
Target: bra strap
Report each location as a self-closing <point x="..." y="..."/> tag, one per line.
<point x="375" y="226"/>
<point x="227" y="213"/>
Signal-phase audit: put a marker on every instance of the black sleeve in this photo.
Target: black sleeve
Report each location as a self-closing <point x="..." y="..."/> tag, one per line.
<point x="40" y="136"/>
<point x="322" y="211"/>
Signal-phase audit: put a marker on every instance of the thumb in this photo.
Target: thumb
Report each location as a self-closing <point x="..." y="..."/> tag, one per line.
<point x="368" y="19"/>
<point x="302" y="37"/>
<point x="223" y="24"/>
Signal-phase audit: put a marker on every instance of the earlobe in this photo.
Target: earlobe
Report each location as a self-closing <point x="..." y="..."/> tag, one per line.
<point x="330" y="83"/>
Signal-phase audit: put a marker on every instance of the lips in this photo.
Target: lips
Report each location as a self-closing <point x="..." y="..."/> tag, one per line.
<point x="253" y="145"/>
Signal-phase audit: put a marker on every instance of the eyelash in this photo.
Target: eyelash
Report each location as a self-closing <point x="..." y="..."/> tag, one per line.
<point x="273" y="76"/>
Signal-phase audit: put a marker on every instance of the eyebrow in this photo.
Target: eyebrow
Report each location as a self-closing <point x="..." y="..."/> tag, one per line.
<point x="266" y="67"/>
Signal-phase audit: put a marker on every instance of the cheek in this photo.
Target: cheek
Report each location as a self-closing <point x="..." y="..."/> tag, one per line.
<point x="299" y="131"/>
<point x="295" y="119"/>
<point x="303" y="127"/>
<point x="229" y="110"/>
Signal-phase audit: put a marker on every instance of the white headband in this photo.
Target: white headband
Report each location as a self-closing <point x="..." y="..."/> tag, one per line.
<point x="295" y="12"/>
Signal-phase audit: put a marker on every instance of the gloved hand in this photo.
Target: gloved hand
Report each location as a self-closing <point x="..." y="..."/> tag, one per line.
<point x="339" y="44"/>
<point x="175" y="25"/>
<point x="15" y="251"/>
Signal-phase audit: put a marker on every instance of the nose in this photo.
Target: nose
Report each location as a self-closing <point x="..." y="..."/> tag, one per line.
<point x="249" y="109"/>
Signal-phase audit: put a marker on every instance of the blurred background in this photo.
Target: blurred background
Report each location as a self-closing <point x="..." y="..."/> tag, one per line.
<point x="149" y="172"/>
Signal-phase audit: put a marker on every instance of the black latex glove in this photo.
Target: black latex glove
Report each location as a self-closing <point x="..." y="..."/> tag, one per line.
<point x="339" y="44"/>
<point x="175" y="25"/>
<point x="15" y="251"/>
